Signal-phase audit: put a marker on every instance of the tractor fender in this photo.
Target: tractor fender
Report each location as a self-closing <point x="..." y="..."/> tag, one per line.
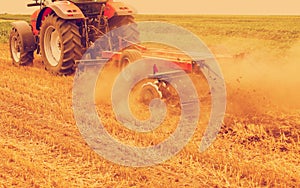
<point x="63" y="9"/>
<point x="118" y="9"/>
<point x="28" y="43"/>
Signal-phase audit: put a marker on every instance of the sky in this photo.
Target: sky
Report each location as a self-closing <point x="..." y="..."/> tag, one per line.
<point x="239" y="7"/>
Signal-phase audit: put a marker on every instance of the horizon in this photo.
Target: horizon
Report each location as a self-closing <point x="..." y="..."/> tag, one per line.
<point x="188" y="7"/>
<point x="178" y="14"/>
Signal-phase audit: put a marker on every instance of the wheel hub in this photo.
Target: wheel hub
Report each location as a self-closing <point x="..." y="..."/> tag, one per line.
<point x="52" y="45"/>
<point x="15" y="48"/>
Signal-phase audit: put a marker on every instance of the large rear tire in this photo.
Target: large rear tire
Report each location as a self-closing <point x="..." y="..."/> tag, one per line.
<point x="60" y="43"/>
<point x="127" y="30"/>
<point x="18" y="55"/>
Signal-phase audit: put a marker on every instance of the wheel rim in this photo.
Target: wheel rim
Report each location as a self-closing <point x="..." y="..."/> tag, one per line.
<point x="15" y="48"/>
<point x="52" y="46"/>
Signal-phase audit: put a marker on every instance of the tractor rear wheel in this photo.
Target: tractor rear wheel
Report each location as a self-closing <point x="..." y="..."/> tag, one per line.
<point x="60" y="43"/>
<point x="128" y="32"/>
<point x="18" y="55"/>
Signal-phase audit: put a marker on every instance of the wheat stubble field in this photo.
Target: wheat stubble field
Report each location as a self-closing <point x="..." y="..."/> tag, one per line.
<point x="258" y="145"/>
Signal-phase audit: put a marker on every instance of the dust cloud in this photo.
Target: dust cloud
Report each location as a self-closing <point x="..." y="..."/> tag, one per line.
<point x="105" y="82"/>
<point x="258" y="82"/>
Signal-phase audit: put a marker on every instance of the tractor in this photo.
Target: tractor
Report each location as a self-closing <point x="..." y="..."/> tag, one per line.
<point x="62" y="31"/>
<point x="68" y="32"/>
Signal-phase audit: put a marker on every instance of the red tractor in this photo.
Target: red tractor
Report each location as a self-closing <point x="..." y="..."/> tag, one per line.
<point x="61" y="31"/>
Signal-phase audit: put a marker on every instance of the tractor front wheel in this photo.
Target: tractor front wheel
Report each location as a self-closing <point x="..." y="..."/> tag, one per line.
<point x="18" y="54"/>
<point x="60" y="43"/>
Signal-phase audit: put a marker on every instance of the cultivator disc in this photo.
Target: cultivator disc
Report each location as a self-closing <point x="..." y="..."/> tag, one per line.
<point x="150" y="91"/>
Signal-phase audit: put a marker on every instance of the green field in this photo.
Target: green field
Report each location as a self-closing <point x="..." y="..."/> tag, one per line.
<point x="280" y="30"/>
<point x="5" y="26"/>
